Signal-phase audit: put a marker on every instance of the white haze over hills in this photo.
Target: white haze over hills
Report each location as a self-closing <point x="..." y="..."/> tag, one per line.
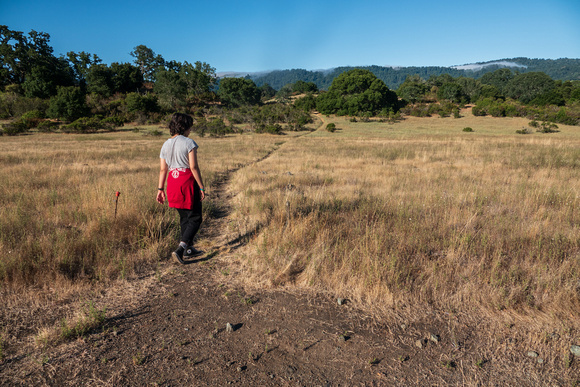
<point x="471" y="66"/>
<point x="479" y="66"/>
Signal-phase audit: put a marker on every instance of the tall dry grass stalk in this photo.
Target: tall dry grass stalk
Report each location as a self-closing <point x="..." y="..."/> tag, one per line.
<point x="57" y="204"/>
<point x="420" y="212"/>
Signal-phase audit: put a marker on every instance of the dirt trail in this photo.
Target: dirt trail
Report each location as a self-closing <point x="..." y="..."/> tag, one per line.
<point x="191" y="325"/>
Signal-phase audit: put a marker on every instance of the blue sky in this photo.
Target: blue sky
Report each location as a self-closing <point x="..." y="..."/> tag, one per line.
<point x="253" y="35"/>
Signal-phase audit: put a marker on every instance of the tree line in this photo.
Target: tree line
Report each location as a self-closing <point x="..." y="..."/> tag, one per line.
<point x="37" y="87"/>
<point x="77" y="92"/>
<point x="558" y="69"/>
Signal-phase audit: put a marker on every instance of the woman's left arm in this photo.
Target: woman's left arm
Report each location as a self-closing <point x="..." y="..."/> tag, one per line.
<point x="193" y="165"/>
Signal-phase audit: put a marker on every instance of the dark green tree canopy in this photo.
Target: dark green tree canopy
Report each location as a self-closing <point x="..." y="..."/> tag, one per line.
<point x="413" y="89"/>
<point x="355" y="92"/>
<point x="499" y="79"/>
<point x="238" y="92"/>
<point x="451" y="91"/>
<point x="304" y="87"/>
<point x="147" y="61"/>
<point x="29" y="61"/>
<point x="126" y="77"/>
<point x="527" y="86"/>
<point x="267" y="91"/>
<point x="68" y="104"/>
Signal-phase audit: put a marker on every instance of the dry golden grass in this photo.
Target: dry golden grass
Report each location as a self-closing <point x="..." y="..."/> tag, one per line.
<point x="422" y="213"/>
<point x="393" y="215"/>
<point x="57" y="205"/>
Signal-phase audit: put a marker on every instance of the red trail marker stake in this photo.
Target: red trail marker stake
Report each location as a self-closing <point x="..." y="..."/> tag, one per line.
<point x="116" y="202"/>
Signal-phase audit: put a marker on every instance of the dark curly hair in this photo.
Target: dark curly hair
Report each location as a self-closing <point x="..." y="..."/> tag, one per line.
<point x="180" y="123"/>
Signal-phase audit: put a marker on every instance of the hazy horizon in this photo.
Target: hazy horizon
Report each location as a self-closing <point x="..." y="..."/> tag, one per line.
<point x="260" y="36"/>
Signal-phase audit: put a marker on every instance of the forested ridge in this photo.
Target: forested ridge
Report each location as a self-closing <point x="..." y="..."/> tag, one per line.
<point x="563" y="69"/>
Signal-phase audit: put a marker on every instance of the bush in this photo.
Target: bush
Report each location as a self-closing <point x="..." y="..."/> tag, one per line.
<point x="153" y="133"/>
<point x="114" y="121"/>
<point x="47" y="126"/>
<point x="478" y="111"/>
<point x="496" y="110"/>
<point x="271" y="129"/>
<point x="14" y="128"/>
<point x="69" y="104"/>
<point x="523" y="131"/>
<point x="142" y="103"/>
<point x="33" y="114"/>
<point x="14" y="105"/>
<point x="548" y="127"/>
<point x="89" y="125"/>
<point x="306" y="103"/>
<point x="216" y="127"/>
<point x="468" y="129"/>
<point x="331" y="127"/>
<point x="418" y="110"/>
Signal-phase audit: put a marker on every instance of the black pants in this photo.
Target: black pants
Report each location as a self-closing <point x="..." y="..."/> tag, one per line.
<point x="190" y="221"/>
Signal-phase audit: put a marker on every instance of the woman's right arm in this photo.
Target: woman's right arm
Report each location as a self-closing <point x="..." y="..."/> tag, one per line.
<point x="162" y="176"/>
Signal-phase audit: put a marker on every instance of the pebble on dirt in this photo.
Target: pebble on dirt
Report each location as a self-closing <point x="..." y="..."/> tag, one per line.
<point x="434" y="338"/>
<point x="575" y="349"/>
<point x="532" y="354"/>
<point x="229" y="327"/>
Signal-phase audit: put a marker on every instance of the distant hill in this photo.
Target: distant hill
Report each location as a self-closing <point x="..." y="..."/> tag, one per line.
<point x="559" y="69"/>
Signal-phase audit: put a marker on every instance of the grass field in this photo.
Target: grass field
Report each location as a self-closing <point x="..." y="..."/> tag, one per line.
<point x="57" y="204"/>
<point x="422" y="213"/>
<point x="393" y="215"/>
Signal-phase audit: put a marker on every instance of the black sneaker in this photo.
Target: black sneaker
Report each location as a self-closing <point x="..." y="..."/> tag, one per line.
<point x="191" y="251"/>
<point x="178" y="254"/>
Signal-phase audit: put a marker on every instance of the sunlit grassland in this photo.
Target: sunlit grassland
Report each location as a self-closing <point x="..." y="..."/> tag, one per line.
<point x="421" y="213"/>
<point x="57" y="204"/>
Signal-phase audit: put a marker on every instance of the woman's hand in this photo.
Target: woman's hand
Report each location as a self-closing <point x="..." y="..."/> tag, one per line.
<point x="202" y="196"/>
<point x="161" y="196"/>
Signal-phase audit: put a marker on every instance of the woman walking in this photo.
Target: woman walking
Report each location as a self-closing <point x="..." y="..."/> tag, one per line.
<point x="185" y="189"/>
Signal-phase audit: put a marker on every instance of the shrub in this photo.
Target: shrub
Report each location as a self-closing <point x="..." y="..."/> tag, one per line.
<point x="142" y="103"/>
<point x="478" y="111"/>
<point x="306" y="103"/>
<point x="14" y="105"/>
<point x="468" y="129"/>
<point x="14" y="128"/>
<point x="271" y="129"/>
<point x="331" y="127"/>
<point x="69" y="104"/>
<point x="114" y="121"/>
<point x="523" y="131"/>
<point x="153" y="132"/>
<point x="216" y="127"/>
<point x="89" y="125"/>
<point x="548" y="127"/>
<point x="418" y="110"/>
<point x="47" y="126"/>
<point x="496" y="110"/>
<point x="33" y="114"/>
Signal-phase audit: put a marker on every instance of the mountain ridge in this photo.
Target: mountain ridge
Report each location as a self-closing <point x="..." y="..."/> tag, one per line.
<point x="564" y="69"/>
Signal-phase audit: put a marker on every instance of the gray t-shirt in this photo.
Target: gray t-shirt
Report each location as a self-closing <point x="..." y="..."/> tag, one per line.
<point x="175" y="151"/>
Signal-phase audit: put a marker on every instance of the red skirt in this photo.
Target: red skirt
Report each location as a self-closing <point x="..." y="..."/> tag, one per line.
<point x="182" y="189"/>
